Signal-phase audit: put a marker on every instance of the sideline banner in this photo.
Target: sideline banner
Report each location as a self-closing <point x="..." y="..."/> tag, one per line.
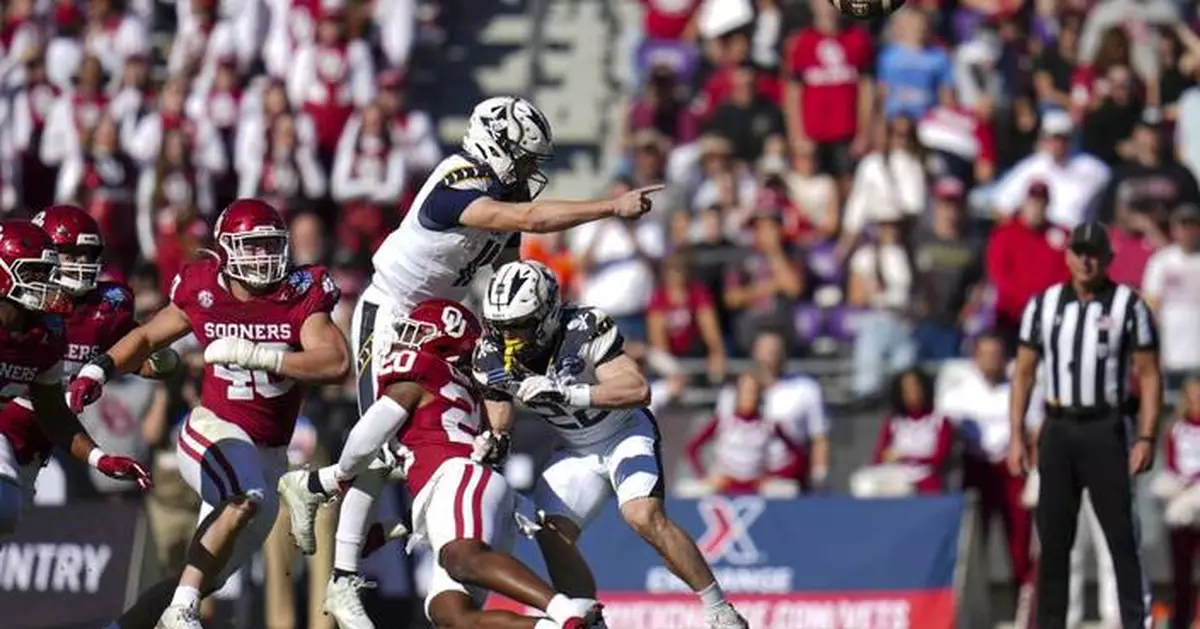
<point x="68" y="566"/>
<point x="813" y="563"/>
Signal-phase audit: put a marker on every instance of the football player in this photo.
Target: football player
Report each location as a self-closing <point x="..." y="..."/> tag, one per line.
<point x="33" y="344"/>
<point x="462" y="509"/>
<point x="568" y="365"/>
<point x="266" y="332"/>
<point x="469" y="211"/>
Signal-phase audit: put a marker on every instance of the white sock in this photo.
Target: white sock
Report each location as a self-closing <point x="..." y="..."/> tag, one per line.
<point x="546" y="623"/>
<point x="381" y="422"/>
<point x="358" y="508"/>
<point x="560" y="609"/>
<point x="712" y="596"/>
<point x="330" y="478"/>
<point x="186" y="596"/>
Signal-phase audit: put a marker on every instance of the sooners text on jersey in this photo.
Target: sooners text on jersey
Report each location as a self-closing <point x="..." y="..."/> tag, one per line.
<point x="445" y="426"/>
<point x="263" y="404"/>
<point x="98" y="320"/>
<point x="26" y="357"/>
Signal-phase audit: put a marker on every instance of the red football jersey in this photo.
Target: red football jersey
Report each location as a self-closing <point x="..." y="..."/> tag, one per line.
<point x="32" y="355"/>
<point x="99" y="320"/>
<point x="443" y="428"/>
<point x="263" y="404"/>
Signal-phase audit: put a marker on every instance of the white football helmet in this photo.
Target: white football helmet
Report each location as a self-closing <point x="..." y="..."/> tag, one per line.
<point x="512" y="137"/>
<point x="523" y="306"/>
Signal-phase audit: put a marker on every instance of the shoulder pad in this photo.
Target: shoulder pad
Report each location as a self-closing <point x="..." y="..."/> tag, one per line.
<point x="471" y="177"/>
<point x="488" y="366"/>
<point x="115" y="296"/>
<point x="588" y="322"/>
<point x="299" y="280"/>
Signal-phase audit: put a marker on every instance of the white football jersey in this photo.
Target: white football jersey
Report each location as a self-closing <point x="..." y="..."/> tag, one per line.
<point x="587" y="338"/>
<point x="431" y="255"/>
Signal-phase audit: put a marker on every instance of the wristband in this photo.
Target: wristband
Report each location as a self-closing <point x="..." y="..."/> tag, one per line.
<point x="1147" y="439"/>
<point x="579" y="395"/>
<point x="106" y="364"/>
<point x="94" y="457"/>
<point x="92" y="371"/>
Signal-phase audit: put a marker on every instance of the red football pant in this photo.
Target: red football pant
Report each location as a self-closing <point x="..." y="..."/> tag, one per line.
<point x="1000" y="494"/>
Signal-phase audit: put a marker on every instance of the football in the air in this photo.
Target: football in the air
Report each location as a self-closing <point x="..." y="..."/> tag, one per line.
<point x="866" y="9"/>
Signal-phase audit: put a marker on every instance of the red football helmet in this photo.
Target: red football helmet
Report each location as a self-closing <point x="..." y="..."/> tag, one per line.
<point x="254" y="242"/>
<point x="29" y="268"/>
<point x="77" y="237"/>
<point x="441" y="327"/>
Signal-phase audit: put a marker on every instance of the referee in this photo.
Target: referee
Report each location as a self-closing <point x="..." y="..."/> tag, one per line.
<point x="1085" y="332"/>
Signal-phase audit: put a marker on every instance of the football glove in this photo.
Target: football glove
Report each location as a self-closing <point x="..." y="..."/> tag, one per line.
<point x="124" y="468"/>
<point x="544" y="389"/>
<point x="87" y="387"/>
<point x="491" y="448"/>
<point x="248" y="354"/>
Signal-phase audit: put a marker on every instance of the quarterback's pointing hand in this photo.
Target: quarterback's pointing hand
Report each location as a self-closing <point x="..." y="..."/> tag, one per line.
<point x="243" y="353"/>
<point x="635" y="203"/>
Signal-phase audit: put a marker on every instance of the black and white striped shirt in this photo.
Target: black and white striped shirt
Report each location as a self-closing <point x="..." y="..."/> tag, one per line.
<point x="1086" y="345"/>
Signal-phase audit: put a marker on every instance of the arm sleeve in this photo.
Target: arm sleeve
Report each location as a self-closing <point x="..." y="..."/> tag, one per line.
<point x="1141" y="326"/>
<point x="1030" y="334"/>
<point x="444" y="205"/>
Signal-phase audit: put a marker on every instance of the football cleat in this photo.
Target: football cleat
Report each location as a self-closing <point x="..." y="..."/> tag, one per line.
<point x="179" y="617"/>
<point x="344" y="605"/>
<point x="724" y="616"/>
<point x="302" y="507"/>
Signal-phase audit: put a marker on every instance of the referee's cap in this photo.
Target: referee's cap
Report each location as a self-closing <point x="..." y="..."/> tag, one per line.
<point x="1090" y="237"/>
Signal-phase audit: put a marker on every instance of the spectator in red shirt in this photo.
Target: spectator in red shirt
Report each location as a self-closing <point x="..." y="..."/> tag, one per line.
<point x="914" y="443"/>
<point x="727" y="54"/>
<point x="682" y="320"/>
<point x="829" y="92"/>
<point x="1025" y="257"/>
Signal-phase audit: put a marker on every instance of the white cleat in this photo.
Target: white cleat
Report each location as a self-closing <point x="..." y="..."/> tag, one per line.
<point x="344" y="605"/>
<point x="724" y="616"/>
<point x="302" y="507"/>
<point x="179" y="617"/>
